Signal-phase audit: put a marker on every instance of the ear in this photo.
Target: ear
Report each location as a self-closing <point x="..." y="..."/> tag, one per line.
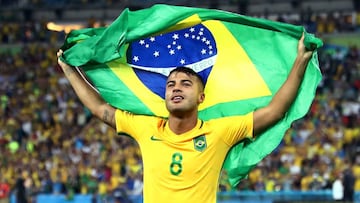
<point x="201" y="97"/>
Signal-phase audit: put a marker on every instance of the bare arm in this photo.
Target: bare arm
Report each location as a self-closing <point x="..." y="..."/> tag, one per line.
<point x="88" y="96"/>
<point x="281" y="102"/>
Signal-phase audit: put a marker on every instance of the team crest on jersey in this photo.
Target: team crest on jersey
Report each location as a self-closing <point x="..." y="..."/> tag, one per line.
<point x="200" y="143"/>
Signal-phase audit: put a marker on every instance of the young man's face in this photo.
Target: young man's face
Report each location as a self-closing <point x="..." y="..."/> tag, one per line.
<point x="184" y="93"/>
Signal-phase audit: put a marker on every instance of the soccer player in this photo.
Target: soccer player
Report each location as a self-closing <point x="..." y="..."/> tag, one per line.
<point x="182" y="155"/>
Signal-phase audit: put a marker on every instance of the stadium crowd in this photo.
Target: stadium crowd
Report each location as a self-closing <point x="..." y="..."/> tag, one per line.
<point x="50" y="144"/>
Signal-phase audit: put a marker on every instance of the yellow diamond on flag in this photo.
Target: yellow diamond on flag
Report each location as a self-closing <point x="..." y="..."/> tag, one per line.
<point x="234" y="76"/>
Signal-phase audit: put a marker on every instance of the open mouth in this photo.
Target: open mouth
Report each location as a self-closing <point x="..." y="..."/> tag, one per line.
<point x="177" y="98"/>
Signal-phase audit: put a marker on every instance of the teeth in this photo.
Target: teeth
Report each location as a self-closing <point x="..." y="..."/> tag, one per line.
<point x="177" y="98"/>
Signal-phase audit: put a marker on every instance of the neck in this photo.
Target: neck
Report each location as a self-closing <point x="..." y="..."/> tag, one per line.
<point x="182" y="124"/>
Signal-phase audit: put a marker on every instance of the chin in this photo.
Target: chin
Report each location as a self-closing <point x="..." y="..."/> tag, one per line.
<point x="176" y="111"/>
<point x="173" y="107"/>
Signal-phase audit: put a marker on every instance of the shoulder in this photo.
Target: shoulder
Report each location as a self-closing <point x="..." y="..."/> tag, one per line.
<point x="231" y="119"/>
<point x="128" y="116"/>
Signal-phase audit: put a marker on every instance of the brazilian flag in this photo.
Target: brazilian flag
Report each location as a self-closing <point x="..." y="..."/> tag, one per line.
<point x="243" y="60"/>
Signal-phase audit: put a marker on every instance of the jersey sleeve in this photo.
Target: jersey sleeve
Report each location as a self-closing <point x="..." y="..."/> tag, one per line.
<point x="133" y="125"/>
<point x="237" y="128"/>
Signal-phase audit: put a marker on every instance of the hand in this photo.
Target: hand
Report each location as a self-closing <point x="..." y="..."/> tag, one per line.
<point x="67" y="69"/>
<point x="303" y="52"/>
<point x="62" y="64"/>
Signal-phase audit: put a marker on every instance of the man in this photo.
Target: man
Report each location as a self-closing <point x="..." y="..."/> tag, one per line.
<point x="183" y="155"/>
<point x="349" y="183"/>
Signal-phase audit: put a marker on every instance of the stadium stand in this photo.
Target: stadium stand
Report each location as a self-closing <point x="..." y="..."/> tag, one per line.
<point x="51" y="143"/>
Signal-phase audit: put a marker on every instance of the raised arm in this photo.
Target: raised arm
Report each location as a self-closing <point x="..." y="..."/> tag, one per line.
<point x="281" y="102"/>
<point x="87" y="94"/>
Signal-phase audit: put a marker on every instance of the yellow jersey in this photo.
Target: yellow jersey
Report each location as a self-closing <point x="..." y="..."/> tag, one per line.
<point x="183" y="168"/>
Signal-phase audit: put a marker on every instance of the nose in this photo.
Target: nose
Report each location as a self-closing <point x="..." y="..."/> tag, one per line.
<point x="177" y="87"/>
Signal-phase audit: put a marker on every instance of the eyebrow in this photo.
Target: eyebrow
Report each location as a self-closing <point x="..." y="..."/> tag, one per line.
<point x="185" y="80"/>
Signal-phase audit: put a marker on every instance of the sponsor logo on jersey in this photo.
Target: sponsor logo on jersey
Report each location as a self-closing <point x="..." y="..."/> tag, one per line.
<point x="153" y="138"/>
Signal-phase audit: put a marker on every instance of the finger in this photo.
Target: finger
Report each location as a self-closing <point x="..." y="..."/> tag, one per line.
<point x="302" y="36"/>
<point x="59" y="53"/>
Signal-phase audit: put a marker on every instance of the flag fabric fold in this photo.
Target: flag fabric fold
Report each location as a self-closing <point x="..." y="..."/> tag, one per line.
<point x="243" y="60"/>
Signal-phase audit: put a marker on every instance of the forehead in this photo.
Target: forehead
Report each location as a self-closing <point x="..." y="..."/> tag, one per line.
<point x="180" y="75"/>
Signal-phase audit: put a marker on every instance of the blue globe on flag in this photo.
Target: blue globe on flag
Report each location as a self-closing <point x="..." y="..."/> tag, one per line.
<point x="154" y="57"/>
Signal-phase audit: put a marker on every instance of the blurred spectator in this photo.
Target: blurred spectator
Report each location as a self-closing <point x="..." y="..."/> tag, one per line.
<point x="338" y="188"/>
<point x="120" y="195"/>
<point x="20" y="192"/>
<point x="4" y="190"/>
<point x="349" y="183"/>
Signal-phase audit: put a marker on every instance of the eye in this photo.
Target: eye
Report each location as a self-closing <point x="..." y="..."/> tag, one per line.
<point x="187" y="84"/>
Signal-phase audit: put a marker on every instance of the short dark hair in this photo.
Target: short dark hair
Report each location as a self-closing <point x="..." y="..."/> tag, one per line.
<point x="188" y="71"/>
